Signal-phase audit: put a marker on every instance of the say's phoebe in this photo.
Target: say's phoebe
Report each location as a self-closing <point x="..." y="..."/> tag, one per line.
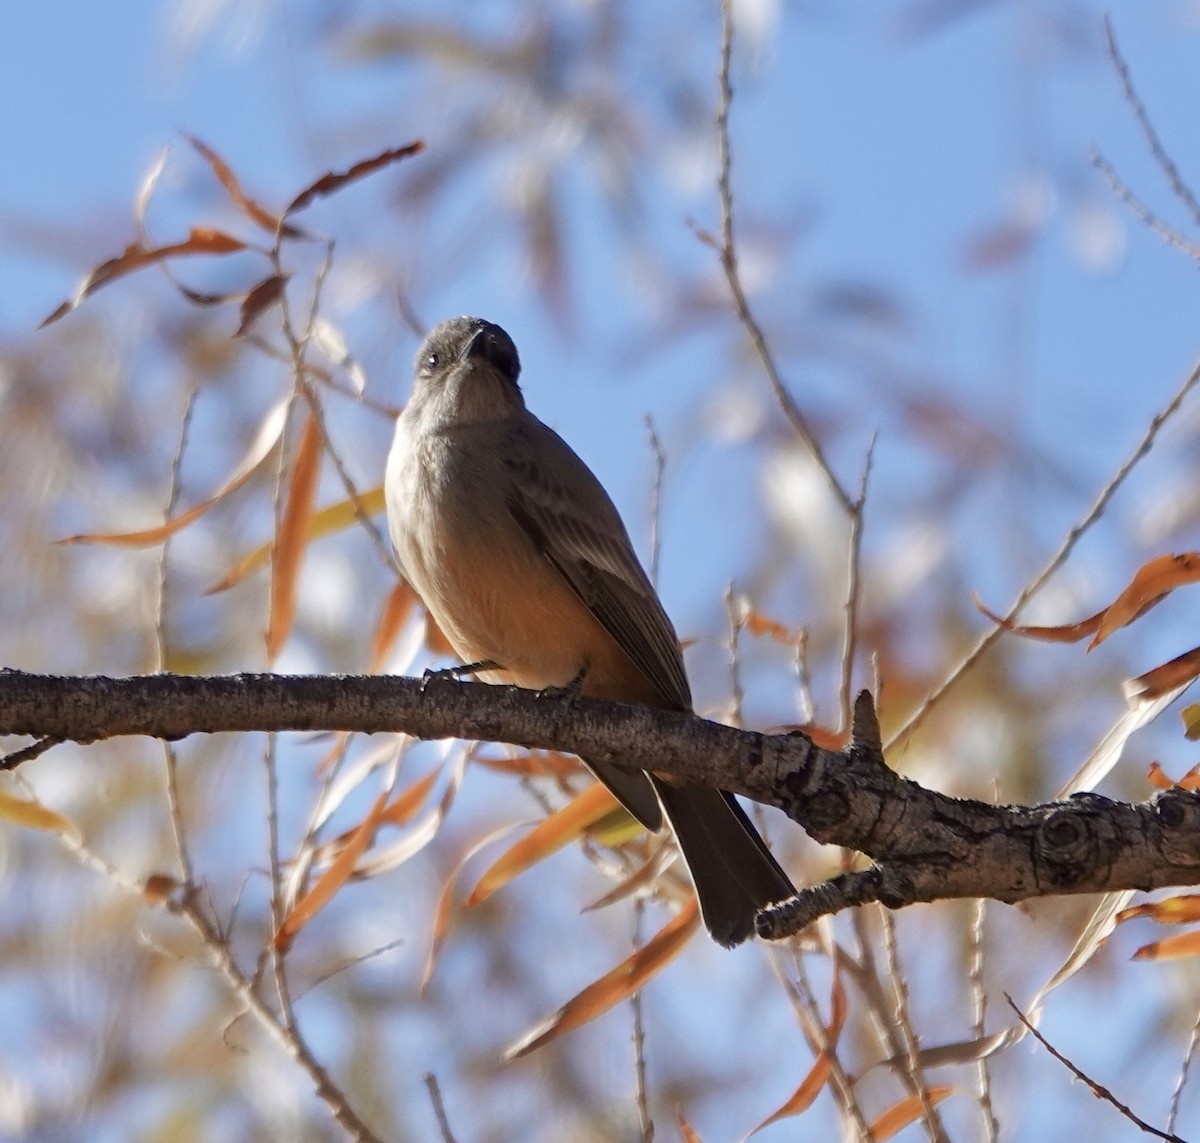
<point x="521" y="558"/>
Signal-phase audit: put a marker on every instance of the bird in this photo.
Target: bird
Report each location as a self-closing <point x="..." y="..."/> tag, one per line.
<point x="520" y="556"/>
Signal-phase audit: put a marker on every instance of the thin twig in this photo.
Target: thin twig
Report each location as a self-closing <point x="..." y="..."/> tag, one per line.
<point x="983" y="1071"/>
<point x="1144" y="214"/>
<point x="729" y="262"/>
<point x="1056" y="561"/>
<point x="1097" y="1089"/>
<point x="170" y="757"/>
<point x="853" y="589"/>
<point x="12" y="762"/>
<point x="220" y="957"/>
<point x="902" y="1021"/>
<point x="737" y="693"/>
<point x="642" y="1090"/>
<point x="660" y="468"/>
<point x="439" y="1108"/>
<point x="1180" y="188"/>
<point x="841" y="1085"/>
<point x="1184" y="1069"/>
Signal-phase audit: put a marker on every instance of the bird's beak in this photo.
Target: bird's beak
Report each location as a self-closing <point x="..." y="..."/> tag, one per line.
<point x="481" y="345"/>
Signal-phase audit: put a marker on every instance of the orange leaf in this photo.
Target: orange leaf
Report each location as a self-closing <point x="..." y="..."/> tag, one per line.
<point x="1151" y="582"/>
<point x="907" y="1111"/>
<point x="265" y="440"/>
<point x="686" y="1131"/>
<point x="441" y="921"/>
<point x="759" y="624"/>
<point x="332" y="879"/>
<point x="33" y="815"/>
<point x="247" y="205"/>
<point x="1180" y="945"/>
<point x="802" y="1098"/>
<point x="1169" y="911"/>
<point x="136" y="256"/>
<point x="810" y="1087"/>
<point x="617" y="985"/>
<point x="259" y="299"/>
<point x="547" y="837"/>
<point x="293" y="534"/>
<point x="399" y="603"/>
<point x="333" y="181"/>
<point x="327" y="521"/>
<point x="406" y="805"/>
<point x="1067" y="633"/>
<point x="1179" y="672"/>
<point x="1161" y="780"/>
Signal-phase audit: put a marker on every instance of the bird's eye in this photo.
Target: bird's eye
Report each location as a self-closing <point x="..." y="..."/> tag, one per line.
<point x="431" y="361"/>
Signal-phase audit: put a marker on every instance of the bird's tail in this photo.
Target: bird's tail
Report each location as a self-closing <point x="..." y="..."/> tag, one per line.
<point x="734" y="872"/>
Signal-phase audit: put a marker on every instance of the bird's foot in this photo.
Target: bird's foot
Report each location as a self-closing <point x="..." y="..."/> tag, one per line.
<point x="458" y="672"/>
<point x="570" y="692"/>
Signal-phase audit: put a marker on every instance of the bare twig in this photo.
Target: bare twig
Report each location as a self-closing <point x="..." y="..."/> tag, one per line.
<point x="1097" y="1089"/>
<point x="170" y="759"/>
<point x="1180" y="188"/>
<point x="660" y="468"/>
<point x="1144" y="214"/>
<point x="729" y="262"/>
<point x="853" y="588"/>
<point x="439" y="1108"/>
<point x="1056" y="561"/>
<point x="983" y="1071"/>
<point x="901" y="1018"/>
<point x="1184" y="1069"/>
<point x="642" y="1090"/>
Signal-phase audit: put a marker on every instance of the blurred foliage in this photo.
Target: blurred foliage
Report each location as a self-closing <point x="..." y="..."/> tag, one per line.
<point x="563" y="141"/>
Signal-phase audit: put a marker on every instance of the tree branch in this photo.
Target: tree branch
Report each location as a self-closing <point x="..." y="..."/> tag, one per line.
<point x="926" y="846"/>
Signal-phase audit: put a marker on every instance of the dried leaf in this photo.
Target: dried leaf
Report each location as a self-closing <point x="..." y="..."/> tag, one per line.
<point x="33" y="815"/>
<point x="265" y="440"/>
<point x="1161" y="780"/>
<point x="331" y="340"/>
<point x="907" y="1111"/>
<point x="332" y="879"/>
<point x="333" y="181"/>
<point x="1146" y="698"/>
<point x="1169" y="911"/>
<point x="615" y="986"/>
<point x="687" y="1133"/>
<point x="757" y="623"/>
<point x="1171" y="678"/>
<point x="1191" y="721"/>
<point x="295" y="529"/>
<point x="399" y="603"/>
<point x="385" y="859"/>
<point x="442" y="915"/>
<point x="802" y="1098"/>
<point x="1067" y="633"/>
<point x="141" y="202"/>
<point x="258" y="300"/>
<point x="326" y="522"/>
<point x="810" y="1087"/>
<point x="1171" y="948"/>
<point x="998" y="245"/>
<point x="251" y="209"/>
<point x="1151" y="582"/>
<point x="136" y="256"/>
<point x="548" y="836"/>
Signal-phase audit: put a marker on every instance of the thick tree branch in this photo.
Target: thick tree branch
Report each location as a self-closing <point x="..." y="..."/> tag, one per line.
<point x="926" y="846"/>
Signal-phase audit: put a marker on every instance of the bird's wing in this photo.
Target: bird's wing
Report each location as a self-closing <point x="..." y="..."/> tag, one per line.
<point x="567" y="514"/>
